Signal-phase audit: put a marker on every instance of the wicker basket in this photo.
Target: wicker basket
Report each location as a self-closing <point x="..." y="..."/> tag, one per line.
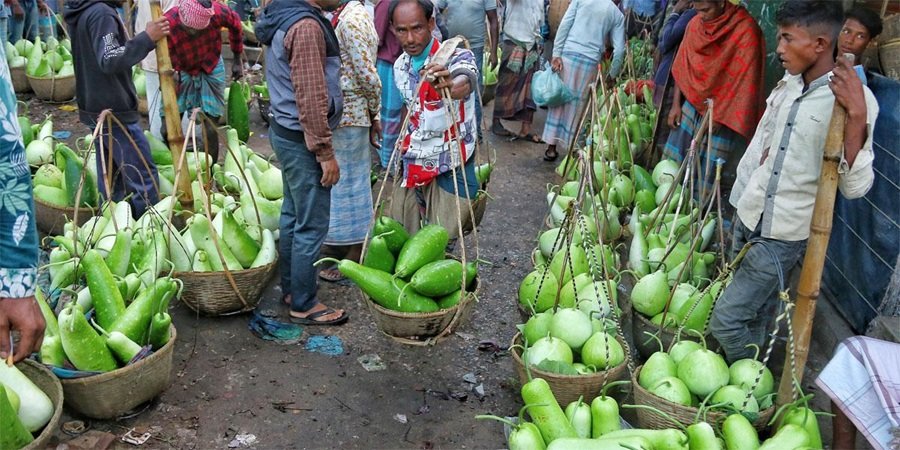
<point x="683" y="414"/>
<point x="50" y="218"/>
<point x="19" y="80"/>
<point x="422" y="328"/>
<point x="568" y="388"/>
<point x="109" y="395"/>
<point x="891" y="29"/>
<point x="646" y="348"/>
<point x="53" y="89"/>
<point x="213" y="294"/>
<point x="889" y="56"/>
<point x="47" y="382"/>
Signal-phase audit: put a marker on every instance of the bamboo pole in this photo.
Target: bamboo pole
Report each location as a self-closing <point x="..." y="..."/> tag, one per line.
<point x="814" y="259"/>
<point x="170" y="106"/>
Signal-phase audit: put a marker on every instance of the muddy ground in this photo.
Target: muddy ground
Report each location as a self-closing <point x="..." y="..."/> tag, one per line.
<point x="232" y="389"/>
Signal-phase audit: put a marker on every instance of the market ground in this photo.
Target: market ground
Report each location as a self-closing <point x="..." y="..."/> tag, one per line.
<point x="232" y="389"/>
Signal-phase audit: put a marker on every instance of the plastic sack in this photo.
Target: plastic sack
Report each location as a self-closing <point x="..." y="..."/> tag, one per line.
<point x="548" y="89"/>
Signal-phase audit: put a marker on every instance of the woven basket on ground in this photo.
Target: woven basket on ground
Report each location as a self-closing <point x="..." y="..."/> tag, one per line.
<point x="111" y="394"/>
<point x="213" y="294"/>
<point x="53" y="89"/>
<point x="479" y="205"/>
<point x="44" y="379"/>
<point x="889" y="56"/>
<point x="19" y="80"/>
<point x="422" y="328"/>
<point x="683" y="414"/>
<point x="647" y="346"/>
<point x="50" y="218"/>
<point x="568" y="388"/>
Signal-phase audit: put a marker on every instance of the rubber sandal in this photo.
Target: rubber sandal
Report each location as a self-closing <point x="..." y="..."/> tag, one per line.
<point x="500" y="131"/>
<point x="530" y="137"/>
<point x="550" y="154"/>
<point x="311" y="319"/>
<point x="331" y="275"/>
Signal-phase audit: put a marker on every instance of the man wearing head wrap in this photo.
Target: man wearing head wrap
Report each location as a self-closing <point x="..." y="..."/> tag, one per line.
<point x="195" y="47"/>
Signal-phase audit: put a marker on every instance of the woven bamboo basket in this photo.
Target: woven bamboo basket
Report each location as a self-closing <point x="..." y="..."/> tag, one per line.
<point x="213" y="294"/>
<point x="44" y="379"/>
<point x="646" y="348"/>
<point x="889" y="56"/>
<point x="50" y="218"/>
<point x="422" y="328"/>
<point x="891" y="29"/>
<point x="555" y="14"/>
<point x="111" y="394"/>
<point x="568" y="388"/>
<point x="53" y="89"/>
<point x="19" y="80"/>
<point x="683" y="414"/>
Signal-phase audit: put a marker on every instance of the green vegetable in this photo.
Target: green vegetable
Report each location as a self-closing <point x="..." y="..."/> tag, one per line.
<point x="545" y="412"/>
<point x="13" y="434"/>
<point x="238" y="115"/>
<point x="381" y="288"/>
<point x="108" y="302"/>
<point x="244" y="248"/>
<point x="268" y="253"/>
<point x="701" y="436"/>
<point x="427" y="245"/>
<point x="123" y="348"/>
<point x="602" y="351"/>
<point x="537" y="292"/>
<point x="622" y="443"/>
<point x="438" y="278"/>
<point x="668" y="439"/>
<point x="739" y="433"/>
<point x="379" y="256"/>
<point x="483" y="173"/>
<point x="605" y="412"/>
<point x="548" y="348"/>
<point x="579" y="415"/>
<point x="788" y="437"/>
<point x="450" y="300"/>
<point x="51" y="195"/>
<point x="159" y="151"/>
<point x="673" y="390"/>
<point x="85" y="349"/>
<point x="805" y="418"/>
<point x="524" y="435"/>
<point x="159" y="330"/>
<point x="703" y="372"/>
<point x="118" y="257"/>
<point x="572" y="326"/>
<point x="650" y="294"/>
<point x="658" y="366"/>
<point x="135" y="321"/>
<point x="49" y="175"/>
<point x="202" y="235"/>
<point x="384" y="226"/>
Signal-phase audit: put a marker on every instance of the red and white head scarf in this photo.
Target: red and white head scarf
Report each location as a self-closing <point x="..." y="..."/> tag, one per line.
<point x="195" y="15"/>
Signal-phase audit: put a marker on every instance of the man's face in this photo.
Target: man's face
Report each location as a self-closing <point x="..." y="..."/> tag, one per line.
<point x="797" y="48"/>
<point x="854" y="38"/>
<point x="412" y="28"/>
<point x="709" y="10"/>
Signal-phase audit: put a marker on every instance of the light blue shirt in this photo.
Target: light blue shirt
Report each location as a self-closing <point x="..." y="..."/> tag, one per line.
<point x="586" y="29"/>
<point x="643" y="8"/>
<point x="467" y="18"/>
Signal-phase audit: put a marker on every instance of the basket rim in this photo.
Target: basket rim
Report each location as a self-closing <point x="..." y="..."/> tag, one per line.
<point x="99" y="378"/>
<point x="543" y="374"/>
<point x="51" y="78"/>
<point x="49" y="428"/>
<point x="717" y="415"/>
<point x="192" y="274"/>
<point x="66" y="208"/>
<point x="431" y="315"/>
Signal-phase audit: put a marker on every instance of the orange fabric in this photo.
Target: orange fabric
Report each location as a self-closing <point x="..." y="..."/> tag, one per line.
<point x="723" y="59"/>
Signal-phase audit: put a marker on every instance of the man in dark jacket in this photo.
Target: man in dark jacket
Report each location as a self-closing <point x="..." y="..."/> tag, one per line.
<point x="103" y="60"/>
<point x="303" y="71"/>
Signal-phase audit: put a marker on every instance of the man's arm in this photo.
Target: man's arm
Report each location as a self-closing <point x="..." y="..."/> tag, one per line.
<point x="461" y="76"/>
<point x="855" y="169"/>
<point x="305" y="43"/>
<point x="494" y="26"/>
<point x="231" y="20"/>
<point x="619" y="43"/>
<point x="112" y="56"/>
<point x="562" y="33"/>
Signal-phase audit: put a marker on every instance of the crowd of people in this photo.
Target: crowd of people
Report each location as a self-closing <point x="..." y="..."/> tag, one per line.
<point x="345" y="79"/>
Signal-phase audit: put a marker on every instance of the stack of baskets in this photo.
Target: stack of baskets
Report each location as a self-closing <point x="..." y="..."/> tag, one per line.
<point x="889" y="47"/>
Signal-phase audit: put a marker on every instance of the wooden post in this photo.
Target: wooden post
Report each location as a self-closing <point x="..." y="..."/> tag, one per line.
<point x="170" y="106"/>
<point x="814" y="260"/>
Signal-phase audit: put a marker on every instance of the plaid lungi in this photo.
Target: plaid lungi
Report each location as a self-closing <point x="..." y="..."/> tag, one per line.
<point x="204" y="91"/>
<point x="512" y="100"/>
<point x="391" y="104"/>
<point x="577" y="73"/>
<point x="351" y="197"/>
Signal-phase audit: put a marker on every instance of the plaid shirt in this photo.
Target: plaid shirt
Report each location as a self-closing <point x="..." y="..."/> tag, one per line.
<point x="202" y="51"/>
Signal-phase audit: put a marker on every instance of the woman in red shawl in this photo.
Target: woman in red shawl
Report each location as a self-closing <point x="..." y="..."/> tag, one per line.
<point x="721" y="58"/>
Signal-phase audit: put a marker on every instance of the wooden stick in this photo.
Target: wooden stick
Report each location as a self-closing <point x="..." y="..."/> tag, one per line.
<point x="814" y="260"/>
<point x="170" y="106"/>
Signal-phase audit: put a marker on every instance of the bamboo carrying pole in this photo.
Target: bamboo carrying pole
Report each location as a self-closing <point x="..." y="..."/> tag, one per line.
<point x="170" y="106"/>
<point x="814" y="259"/>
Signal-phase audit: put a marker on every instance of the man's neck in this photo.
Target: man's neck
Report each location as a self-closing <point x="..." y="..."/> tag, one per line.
<point x="821" y="67"/>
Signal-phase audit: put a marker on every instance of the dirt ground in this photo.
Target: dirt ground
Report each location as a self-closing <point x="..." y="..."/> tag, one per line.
<point x="231" y="389"/>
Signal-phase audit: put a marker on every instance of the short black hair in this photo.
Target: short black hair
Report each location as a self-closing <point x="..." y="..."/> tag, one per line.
<point x="868" y="18"/>
<point x="426" y="6"/>
<point x="824" y="15"/>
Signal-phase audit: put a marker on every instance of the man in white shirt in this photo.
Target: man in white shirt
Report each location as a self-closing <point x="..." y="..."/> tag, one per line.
<point x="778" y="176"/>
